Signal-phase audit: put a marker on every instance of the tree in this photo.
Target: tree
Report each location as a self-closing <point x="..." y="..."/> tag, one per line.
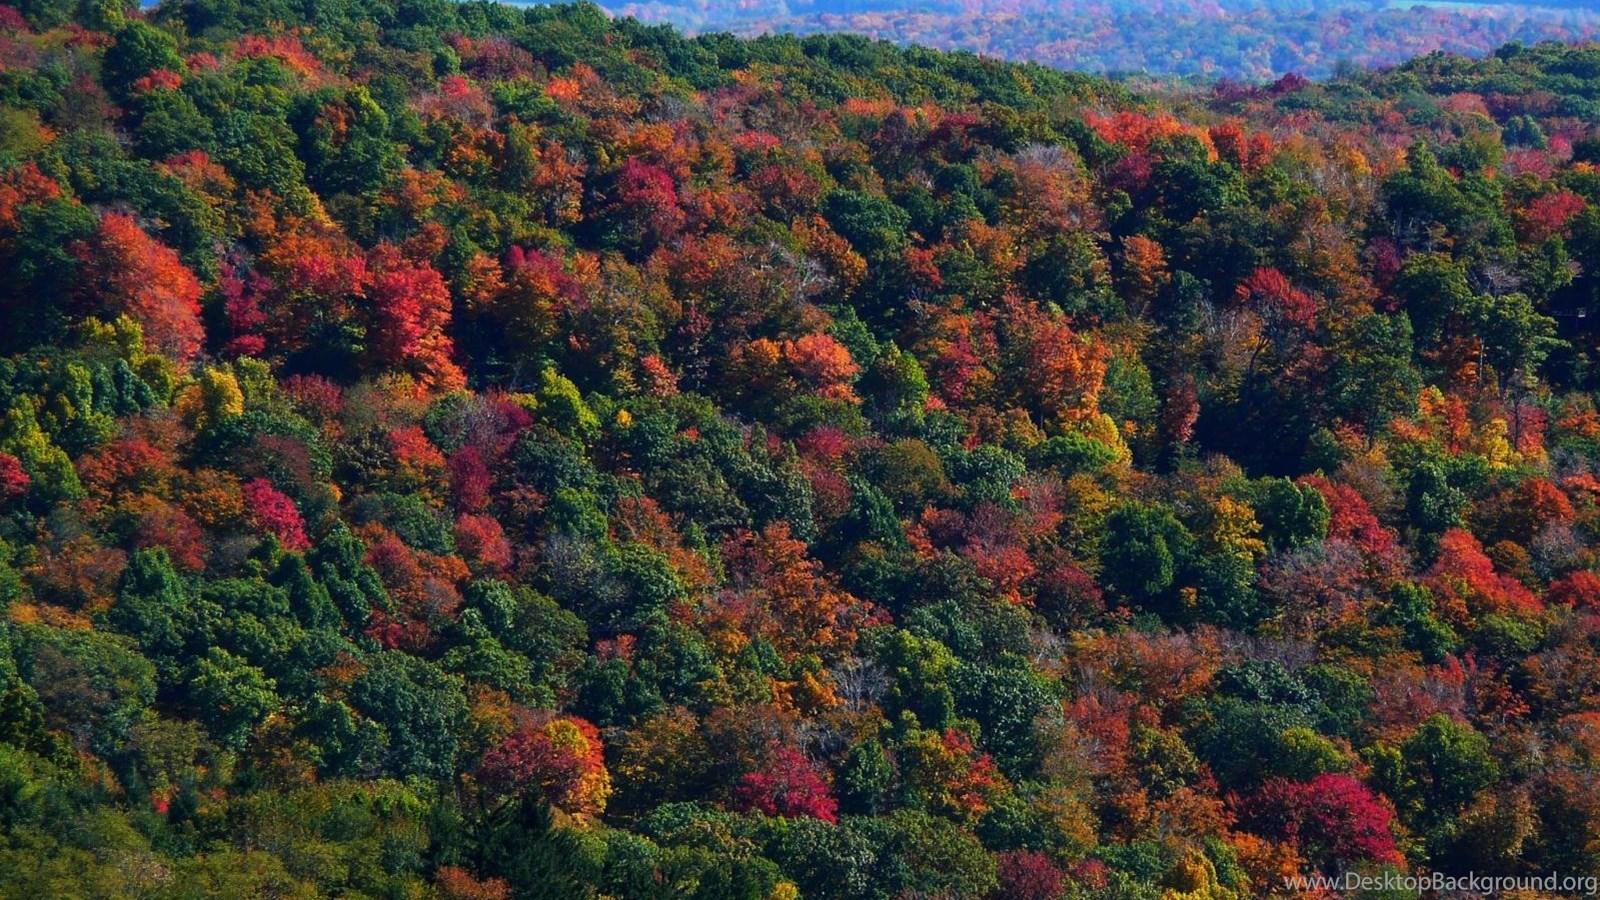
<point x="1333" y="819"/>
<point x="1437" y="770"/>
<point x="410" y="309"/>
<point x="875" y="227"/>
<point x="1464" y="581"/>
<point x="1028" y="875"/>
<point x="273" y="512"/>
<point x="419" y="707"/>
<point x="1437" y="298"/>
<point x="125" y="271"/>
<point x="139" y="49"/>
<point x="560" y="759"/>
<point x="1516" y="336"/>
<point x="231" y="696"/>
<point x="781" y="594"/>
<point x="946" y="774"/>
<point x="787" y="784"/>
<point x="1292" y="515"/>
<point x="647" y="205"/>
<point x="1145" y="275"/>
<point x="1143" y="552"/>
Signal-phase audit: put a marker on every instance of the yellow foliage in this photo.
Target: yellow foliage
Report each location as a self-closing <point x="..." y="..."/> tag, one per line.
<point x="1103" y="428"/>
<point x="1193" y="877"/>
<point x="215" y="396"/>
<point x="1235" y="530"/>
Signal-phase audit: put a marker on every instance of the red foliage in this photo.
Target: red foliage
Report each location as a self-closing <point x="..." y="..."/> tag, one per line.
<point x="23" y="186"/>
<point x="659" y="378"/>
<point x="470" y="480"/>
<point x="1181" y="411"/>
<point x="158" y="80"/>
<point x="128" y="272"/>
<point x="14" y="480"/>
<point x="456" y="883"/>
<point x="1067" y="594"/>
<point x="1028" y="875"/>
<point x="779" y="592"/>
<point x="649" y="193"/>
<point x="241" y="305"/>
<point x="419" y="587"/>
<point x="494" y="58"/>
<point x="1138" y="130"/>
<point x="1335" y="819"/>
<point x="483" y="543"/>
<point x="313" y="274"/>
<point x="1064" y="370"/>
<point x="1092" y="873"/>
<point x="128" y="465"/>
<point x="319" y="399"/>
<point x="412" y="450"/>
<point x="1351" y="519"/>
<point x="1543" y="503"/>
<point x="272" y="511"/>
<point x="170" y="527"/>
<point x="1465" y="583"/>
<point x="1580" y="589"/>
<point x="410" y="306"/>
<point x="285" y="48"/>
<point x="1279" y="304"/>
<point x="788" y="785"/>
<point x="1248" y="152"/>
<point x="1006" y="565"/>
<point x="823" y="364"/>
<point x="826" y="444"/>
<point x="561" y="758"/>
<point x="457" y="99"/>
<point x="1549" y="214"/>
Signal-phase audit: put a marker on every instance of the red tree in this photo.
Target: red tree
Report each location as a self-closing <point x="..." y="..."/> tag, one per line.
<point x="470" y="479"/>
<point x="273" y="512"/>
<point x="14" y="481"/>
<point x="1334" y="818"/>
<point x="1351" y="519"/>
<point x="128" y="272"/>
<point x="410" y="306"/>
<point x="648" y="195"/>
<point x="1464" y="580"/>
<point x="1028" y="875"/>
<point x="1580" y="589"/>
<point x="561" y="758"/>
<point x="483" y="543"/>
<point x="788" y="785"/>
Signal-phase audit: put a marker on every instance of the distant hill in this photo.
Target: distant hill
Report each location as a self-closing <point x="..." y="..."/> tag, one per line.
<point x="1239" y="39"/>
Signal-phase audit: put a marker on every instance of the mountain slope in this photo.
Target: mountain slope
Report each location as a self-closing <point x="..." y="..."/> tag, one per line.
<point x="468" y="451"/>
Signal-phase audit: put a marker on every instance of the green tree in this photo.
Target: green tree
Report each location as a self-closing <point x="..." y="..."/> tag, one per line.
<point x="1143" y="552"/>
<point x="231" y="696"/>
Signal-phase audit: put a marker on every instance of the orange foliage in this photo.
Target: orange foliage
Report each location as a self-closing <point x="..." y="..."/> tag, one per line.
<point x="779" y="593"/>
<point x="411" y="316"/>
<point x="1465" y="583"/>
<point x="127" y="272"/>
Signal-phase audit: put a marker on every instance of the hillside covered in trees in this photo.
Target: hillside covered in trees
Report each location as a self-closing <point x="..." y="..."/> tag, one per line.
<point x="477" y="452"/>
<point x="1240" y="39"/>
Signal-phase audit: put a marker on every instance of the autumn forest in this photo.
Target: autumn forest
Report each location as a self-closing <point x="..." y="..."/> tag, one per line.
<point x="480" y="452"/>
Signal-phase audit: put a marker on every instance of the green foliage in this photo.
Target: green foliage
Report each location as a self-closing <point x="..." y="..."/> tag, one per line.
<point x="476" y="451"/>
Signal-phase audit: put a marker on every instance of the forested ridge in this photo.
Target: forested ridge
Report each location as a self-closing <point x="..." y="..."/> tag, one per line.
<point x="1248" y="39"/>
<point x="469" y="451"/>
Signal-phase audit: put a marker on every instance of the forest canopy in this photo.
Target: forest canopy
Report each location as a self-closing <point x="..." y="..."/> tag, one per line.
<point x="475" y="451"/>
<point x="1255" y="40"/>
